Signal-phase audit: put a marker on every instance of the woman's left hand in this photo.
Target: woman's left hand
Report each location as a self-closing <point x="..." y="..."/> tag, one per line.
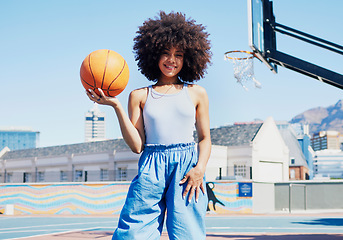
<point x="194" y="179"/>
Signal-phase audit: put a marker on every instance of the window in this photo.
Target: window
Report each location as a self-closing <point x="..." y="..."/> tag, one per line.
<point x="240" y="170"/>
<point x="292" y="160"/>
<point x="78" y="175"/>
<point x="63" y="176"/>
<point x="27" y="177"/>
<point x="103" y="174"/>
<point x="40" y="176"/>
<point x="122" y="172"/>
<point x="292" y="174"/>
<point x="9" y="177"/>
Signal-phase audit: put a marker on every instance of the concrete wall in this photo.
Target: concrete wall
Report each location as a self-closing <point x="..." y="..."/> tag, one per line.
<point x="224" y="197"/>
<point x="263" y="197"/>
<point x="309" y="195"/>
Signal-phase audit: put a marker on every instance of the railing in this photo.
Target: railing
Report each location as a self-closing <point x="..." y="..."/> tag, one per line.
<point x="239" y="172"/>
<point x="68" y="176"/>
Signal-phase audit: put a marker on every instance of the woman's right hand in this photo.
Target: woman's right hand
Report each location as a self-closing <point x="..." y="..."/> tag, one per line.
<point x="102" y="98"/>
<point x="132" y="128"/>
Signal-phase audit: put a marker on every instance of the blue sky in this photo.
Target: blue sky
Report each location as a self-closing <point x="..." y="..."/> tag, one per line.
<point x="44" y="42"/>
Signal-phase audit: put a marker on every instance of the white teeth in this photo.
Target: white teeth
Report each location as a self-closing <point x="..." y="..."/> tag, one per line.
<point x="170" y="67"/>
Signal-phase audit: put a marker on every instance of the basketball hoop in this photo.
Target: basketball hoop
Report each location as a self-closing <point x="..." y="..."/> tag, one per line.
<point x="243" y="67"/>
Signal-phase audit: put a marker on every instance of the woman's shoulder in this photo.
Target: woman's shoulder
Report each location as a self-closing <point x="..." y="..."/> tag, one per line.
<point x="197" y="93"/>
<point x="139" y="93"/>
<point x="196" y="89"/>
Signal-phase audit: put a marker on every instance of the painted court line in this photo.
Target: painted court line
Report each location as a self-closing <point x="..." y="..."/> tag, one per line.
<point x="49" y="234"/>
<point x="278" y="228"/>
<point x="54" y="225"/>
<point x="218" y="227"/>
<point x="43" y="230"/>
<point x="51" y="229"/>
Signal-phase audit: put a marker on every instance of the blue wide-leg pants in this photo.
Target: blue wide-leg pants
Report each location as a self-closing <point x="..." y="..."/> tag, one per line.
<point x="155" y="193"/>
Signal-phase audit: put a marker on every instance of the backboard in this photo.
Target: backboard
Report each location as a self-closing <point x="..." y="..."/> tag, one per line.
<point x="262" y="40"/>
<point x="261" y="35"/>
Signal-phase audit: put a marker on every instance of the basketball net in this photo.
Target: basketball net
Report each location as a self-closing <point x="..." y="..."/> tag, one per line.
<point x="243" y="67"/>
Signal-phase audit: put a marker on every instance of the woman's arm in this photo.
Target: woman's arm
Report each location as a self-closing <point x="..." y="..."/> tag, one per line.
<point x="195" y="176"/>
<point x="131" y="126"/>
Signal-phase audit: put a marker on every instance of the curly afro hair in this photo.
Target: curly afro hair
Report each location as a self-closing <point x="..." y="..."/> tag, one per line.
<point x="172" y="30"/>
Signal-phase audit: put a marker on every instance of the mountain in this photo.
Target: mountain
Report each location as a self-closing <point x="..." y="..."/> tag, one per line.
<point x="322" y="119"/>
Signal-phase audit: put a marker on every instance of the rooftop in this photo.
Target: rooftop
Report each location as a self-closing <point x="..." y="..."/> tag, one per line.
<point x="80" y="148"/>
<point x="234" y="135"/>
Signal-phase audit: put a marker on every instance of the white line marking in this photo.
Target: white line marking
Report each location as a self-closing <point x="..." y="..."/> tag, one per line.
<point x="58" y="233"/>
<point x="53" y="225"/>
<point x="279" y="228"/>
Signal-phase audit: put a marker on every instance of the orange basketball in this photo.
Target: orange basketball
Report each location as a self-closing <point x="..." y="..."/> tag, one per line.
<point x="104" y="69"/>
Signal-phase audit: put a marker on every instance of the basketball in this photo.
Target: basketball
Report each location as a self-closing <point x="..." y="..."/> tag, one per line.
<point x="104" y="69"/>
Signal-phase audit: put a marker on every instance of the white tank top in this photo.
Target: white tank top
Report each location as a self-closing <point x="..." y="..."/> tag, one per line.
<point x="169" y="118"/>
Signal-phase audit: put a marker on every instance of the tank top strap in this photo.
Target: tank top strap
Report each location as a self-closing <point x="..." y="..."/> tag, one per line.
<point x="149" y="93"/>
<point x="149" y="89"/>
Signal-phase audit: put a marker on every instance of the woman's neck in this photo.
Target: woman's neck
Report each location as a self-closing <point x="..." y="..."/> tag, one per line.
<point x="168" y="81"/>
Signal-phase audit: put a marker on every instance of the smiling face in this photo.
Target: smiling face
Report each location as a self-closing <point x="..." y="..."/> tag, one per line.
<point x="171" y="62"/>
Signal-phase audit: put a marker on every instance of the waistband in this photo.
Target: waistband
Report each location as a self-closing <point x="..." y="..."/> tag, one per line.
<point x="171" y="147"/>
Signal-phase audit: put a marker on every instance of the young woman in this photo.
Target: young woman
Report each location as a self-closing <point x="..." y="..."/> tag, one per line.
<point x="173" y="52"/>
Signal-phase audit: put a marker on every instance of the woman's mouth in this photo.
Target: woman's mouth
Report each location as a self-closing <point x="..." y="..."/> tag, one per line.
<point x="170" y="67"/>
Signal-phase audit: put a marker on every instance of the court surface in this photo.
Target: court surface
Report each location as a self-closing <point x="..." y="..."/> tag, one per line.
<point x="321" y="226"/>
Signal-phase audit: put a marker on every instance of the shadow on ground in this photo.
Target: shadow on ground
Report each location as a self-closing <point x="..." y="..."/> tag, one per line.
<point x="276" y="237"/>
<point x="324" y="221"/>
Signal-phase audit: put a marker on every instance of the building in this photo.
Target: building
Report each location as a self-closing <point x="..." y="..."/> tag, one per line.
<point x="328" y="163"/>
<point x="18" y="138"/>
<point x="305" y="145"/>
<point x="110" y="160"/>
<point x="297" y="146"/>
<point x="252" y="151"/>
<point x="300" y="129"/>
<point x="95" y="125"/>
<point x="326" y="140"/>
<point x="302" y="133"/>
